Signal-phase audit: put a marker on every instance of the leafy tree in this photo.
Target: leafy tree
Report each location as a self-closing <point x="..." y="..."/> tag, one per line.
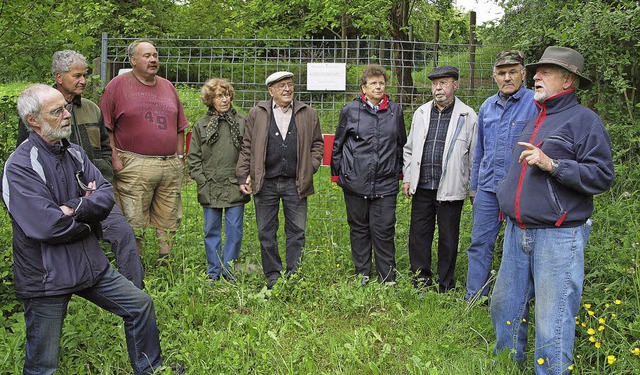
<point x="605" y="32"/>
<point x="30" y="31"/>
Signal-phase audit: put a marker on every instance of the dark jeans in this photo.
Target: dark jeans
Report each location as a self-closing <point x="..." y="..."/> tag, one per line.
<point x="267" y="203"/>
<point x="425" y="212"/>
<point x="372" y="224"/>
<point x="44" y="317"/>
<point x="119" y="234"/>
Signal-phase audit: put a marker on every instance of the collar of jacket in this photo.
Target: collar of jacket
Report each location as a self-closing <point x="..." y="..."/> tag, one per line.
<point x="559" y="102"/>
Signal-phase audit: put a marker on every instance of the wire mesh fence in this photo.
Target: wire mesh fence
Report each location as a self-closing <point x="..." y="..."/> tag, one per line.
<point x="246" y="63"/>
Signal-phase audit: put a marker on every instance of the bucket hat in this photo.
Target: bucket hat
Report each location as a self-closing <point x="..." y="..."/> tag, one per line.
<point x="565" y="58"/>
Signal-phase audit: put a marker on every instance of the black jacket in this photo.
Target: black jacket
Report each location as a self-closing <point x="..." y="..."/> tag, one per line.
<point x="367" y="150"/>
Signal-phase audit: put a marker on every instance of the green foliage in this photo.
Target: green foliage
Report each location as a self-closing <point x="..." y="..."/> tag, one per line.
<point x="605" y="32"/>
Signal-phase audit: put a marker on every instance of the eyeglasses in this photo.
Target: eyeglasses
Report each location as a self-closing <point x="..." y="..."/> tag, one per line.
<point x="58" y="112"/>
<point x="283" y="85"/>
<point x="443" y="84"/>
<point x="220" y="96"/>
<point x="79" y="175"/>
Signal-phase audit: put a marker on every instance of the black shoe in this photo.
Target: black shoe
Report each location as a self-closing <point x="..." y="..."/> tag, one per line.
<point x="163" y="260"/>
<point x="178" y="369"/>
<point x="272" y="280"/>
<point x="422" y="282"/>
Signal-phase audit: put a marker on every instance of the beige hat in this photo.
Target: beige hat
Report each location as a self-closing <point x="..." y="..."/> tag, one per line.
<point x="278" y="76"/>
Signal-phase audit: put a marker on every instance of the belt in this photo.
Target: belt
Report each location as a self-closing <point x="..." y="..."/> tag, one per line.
<point x="161" y="157"/>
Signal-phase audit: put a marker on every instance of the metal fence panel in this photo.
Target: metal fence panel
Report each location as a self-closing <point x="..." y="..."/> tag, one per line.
<point x="246" y="63"/>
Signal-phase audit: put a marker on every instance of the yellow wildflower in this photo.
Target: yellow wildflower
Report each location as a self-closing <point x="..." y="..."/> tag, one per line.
<point x="601" y="320"/>
<point x="597" y="345"/>
<point x="617" y="302"/>
<point x="611" y="359"/>
<point x="613" y="315"/>
<point x="601" y="328"/>
<point x="606" y="305"/>
<point x="592" y="339"/>
<point x="591" y="331"/>
<point x="587" y="306"/>
<point x="583" y="324"/>
<point x="591" y="313"/>
<point x="636" y="351"/>
<point x="541" y="361"/>
<point x="571" y="367"/>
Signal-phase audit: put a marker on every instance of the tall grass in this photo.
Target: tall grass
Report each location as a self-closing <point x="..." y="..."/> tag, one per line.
<point x="321" y="321"/>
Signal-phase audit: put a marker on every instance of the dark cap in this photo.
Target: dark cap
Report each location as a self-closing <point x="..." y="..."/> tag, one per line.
<point x="509" y="57"/>
<point x="444" y="71"/>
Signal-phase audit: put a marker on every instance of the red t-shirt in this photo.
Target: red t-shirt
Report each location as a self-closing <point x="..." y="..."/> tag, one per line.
<point x="144" y="119"/>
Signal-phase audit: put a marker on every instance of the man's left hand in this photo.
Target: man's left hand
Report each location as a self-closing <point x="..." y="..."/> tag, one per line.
<point x="535" y="157"/>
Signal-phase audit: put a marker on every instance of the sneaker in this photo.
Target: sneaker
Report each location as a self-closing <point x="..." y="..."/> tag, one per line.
<point x="364" y="281"/>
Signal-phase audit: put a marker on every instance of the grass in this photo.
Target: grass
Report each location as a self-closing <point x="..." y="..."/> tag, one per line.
<point x="323" y="322"/>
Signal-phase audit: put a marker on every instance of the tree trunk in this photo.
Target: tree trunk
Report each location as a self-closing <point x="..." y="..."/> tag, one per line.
<point x="402" y="50"/>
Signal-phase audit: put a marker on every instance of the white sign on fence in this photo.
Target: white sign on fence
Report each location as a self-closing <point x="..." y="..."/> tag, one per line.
<point x="326" y="76"/>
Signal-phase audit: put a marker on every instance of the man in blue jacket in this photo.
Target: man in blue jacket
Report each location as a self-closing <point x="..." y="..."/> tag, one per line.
<point x="562" y="159"/>
<point x="69" y="70"/>
<point x="56" y="200"/>
<point x="500" y="121"/>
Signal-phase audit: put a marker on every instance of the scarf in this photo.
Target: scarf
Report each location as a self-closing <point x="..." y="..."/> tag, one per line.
<point x="212" y="128"/>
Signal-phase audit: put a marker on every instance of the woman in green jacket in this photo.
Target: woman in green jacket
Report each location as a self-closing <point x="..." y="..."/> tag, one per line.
<point x="212" y="158"/>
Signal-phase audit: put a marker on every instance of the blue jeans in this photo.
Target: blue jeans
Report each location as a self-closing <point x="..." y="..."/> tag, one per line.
<point x="547" y="264"/>
<point x="486" y="225"/>
<point x="233" y="217"/>
<point x="267" y="203"/>
<point x="118" y="232"/>
<point x="44" y="317"/>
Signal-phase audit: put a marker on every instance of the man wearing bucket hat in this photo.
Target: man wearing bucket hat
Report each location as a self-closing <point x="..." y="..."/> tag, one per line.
<point x="500" y="121"/>
<point x="281" y="149"/>
<point x="562" y="159"/>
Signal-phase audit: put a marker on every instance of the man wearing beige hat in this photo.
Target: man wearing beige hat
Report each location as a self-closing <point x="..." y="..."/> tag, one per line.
<point x="500" y="121"/>
<point x="281" y="149"/>
<point x="562" y="158"/>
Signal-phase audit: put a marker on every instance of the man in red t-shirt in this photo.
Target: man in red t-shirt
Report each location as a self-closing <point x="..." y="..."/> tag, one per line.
<point x="146" y="123"/>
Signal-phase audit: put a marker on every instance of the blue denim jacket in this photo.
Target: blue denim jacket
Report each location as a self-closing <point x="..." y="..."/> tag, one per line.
<point x="499" y="126"/>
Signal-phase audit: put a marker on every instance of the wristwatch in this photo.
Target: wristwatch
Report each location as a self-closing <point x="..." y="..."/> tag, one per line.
<point x="554" y="166"/>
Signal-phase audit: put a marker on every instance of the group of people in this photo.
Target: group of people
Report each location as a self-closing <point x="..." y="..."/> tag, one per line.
<point x="83" y="172"/>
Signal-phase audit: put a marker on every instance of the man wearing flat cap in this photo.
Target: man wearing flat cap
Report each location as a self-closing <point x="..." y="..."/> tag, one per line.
<point x="281" y="150"/>
<point x="500" y="121"/>
<point x="562" y="159"/>
<point x="438" y="157"/>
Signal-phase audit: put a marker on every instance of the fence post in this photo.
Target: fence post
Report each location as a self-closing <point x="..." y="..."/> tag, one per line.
<point x="472" y="49"/>
<point x="103" y="62"/>
<point x="436" y="40"/>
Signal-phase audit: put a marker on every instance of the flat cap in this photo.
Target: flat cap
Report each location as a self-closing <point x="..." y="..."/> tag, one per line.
<point x="278" y="76"/>
<point x="444" y="71"/>
<point x="509" y="57"/>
